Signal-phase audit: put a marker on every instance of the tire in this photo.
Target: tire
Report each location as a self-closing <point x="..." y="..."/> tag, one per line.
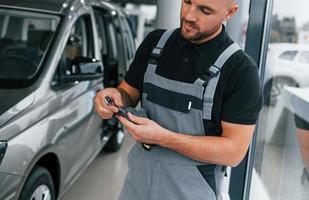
<point x="115" y="141"/>
<point x="273" y="90"/>
<point x="38" y="186"/>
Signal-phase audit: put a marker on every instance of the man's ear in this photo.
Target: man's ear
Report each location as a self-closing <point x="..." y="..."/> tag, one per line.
<point x="231" y="11"/>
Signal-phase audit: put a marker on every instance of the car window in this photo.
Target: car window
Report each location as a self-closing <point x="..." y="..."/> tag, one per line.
<point x="304" y="57"/>
<point x="128" y="38"/>
<point x="288" y="55"/>
<point x="111" y="32"/>
<point x="24" y="39"/>
<point x="2" y="17"/>
<point x="102" y="34"/>
<point x="78" y="46"/>
<point x="107" y="35"/>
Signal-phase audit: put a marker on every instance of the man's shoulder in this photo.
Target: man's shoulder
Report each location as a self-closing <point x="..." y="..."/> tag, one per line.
<point x="238" y="66"/>
<point x="154" y="36"/>
<point x="242" y="61"/>
<point x="157" y="33"/>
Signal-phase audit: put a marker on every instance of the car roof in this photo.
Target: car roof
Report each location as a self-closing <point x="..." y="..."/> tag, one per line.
<point x="54" y="6"/>
<point x="288" y="46"/>
<point x="51" y="6"/>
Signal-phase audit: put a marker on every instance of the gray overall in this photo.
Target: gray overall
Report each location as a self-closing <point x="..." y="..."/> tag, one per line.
<point x="163" y="174"/>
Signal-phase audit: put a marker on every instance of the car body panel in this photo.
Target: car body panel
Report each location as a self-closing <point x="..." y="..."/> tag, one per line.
<point x="8" y="184"/>
<point x="59" y="121"/>
<point x="16" y="109"/>
<point x="49" y="121"/>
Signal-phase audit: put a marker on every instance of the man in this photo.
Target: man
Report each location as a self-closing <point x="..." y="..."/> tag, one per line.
<point x="202" y="97"/>
<point x="302" y="134"/>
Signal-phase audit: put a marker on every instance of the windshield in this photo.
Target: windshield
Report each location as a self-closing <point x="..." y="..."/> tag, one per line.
<point x="24" y="38"/>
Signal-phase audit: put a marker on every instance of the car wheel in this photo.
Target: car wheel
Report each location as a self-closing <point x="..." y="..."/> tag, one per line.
<point x="115" y="141"/>
<point x="38" y="186"/>
<point x="273" y="90"/>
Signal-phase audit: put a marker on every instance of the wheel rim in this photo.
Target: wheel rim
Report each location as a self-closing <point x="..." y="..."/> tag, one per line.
<point x="277" y="89"/>
<point x="41" y="193"/>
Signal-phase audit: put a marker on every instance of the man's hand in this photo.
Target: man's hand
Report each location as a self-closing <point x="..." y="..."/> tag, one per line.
<point x="106" y="111"/>
<point x="122" y="96"/>
<point x="229" y="149"/>
<point x="144" y="130"/>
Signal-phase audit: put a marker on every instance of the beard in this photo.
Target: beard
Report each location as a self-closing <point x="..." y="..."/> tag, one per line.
<point x="198" y="36"/>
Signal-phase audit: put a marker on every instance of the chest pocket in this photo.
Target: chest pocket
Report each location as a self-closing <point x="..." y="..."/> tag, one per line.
<point x="171" y="99"/>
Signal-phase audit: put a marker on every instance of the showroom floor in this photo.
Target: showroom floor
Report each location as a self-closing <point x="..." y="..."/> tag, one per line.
<point x="103" y="179"/>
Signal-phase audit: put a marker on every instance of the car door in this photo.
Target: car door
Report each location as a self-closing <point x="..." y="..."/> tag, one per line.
<point x="81" y="135"/>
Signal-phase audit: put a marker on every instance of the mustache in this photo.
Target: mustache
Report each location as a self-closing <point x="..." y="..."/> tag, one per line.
<point x="190" y="23"/>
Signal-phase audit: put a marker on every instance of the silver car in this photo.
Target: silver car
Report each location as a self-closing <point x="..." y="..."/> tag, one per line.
<point x="54" y="56"/>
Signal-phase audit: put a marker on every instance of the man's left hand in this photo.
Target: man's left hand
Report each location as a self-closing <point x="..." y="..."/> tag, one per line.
<point x="144" y="130"/>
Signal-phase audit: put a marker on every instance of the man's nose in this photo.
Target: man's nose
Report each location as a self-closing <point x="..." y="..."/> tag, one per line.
<point x="191" y="15"/>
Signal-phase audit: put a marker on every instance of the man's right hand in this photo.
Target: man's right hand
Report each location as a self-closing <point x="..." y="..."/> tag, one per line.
<point x="106" y="111"/>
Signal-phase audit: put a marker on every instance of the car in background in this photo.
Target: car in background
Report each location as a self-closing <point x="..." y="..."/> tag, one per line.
<point x="55" y="55"/>
<point x="287" y="64"/>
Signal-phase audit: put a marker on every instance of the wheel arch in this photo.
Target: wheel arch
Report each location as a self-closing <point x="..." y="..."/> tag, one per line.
<point x="51" y="163"/>
<point x="270" y="81"/>
<point x="267" y="86"/>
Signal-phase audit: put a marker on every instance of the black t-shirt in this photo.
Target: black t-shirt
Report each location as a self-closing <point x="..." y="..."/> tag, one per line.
<point x="301" y="123"/>
<point x="238" y="97"/>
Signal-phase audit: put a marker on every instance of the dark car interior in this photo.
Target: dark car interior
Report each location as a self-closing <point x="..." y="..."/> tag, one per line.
<point x="19" y="57"/>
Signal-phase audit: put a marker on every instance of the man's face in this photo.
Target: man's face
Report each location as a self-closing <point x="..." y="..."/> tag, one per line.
<point x="201" y="19"/>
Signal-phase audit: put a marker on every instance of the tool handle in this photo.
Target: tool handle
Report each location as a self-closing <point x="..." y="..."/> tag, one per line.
<point x="147" y="147"/>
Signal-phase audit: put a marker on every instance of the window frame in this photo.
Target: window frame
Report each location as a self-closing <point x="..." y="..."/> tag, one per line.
<point x="58" y="83"/>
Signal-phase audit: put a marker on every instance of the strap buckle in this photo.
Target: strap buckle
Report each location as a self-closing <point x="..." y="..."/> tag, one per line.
<point x="155" y="55"/>
<point x="211" y="72"/>
<point x="157" y="52"/>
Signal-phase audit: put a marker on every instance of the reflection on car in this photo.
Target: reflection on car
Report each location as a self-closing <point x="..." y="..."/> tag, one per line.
<point x="54" y="57"/>
<point x="296" y="100"/>
<point x="287" y="64"/>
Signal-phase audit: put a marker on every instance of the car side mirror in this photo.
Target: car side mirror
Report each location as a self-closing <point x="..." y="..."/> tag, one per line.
<point x="83" y="69"/>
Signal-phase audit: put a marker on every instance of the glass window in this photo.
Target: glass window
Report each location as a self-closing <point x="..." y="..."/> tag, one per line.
<point x="101" y="33"/>
<point x="237" y="26"/>
<point x="288" y="55"/>
<point x="304" y="56"/>
<point x="24" y="39"/>
<point x="281" y="160"/>
<point x="129" y="43"/>
<point x="79" y="46"/>
<point x="111" y="32"/>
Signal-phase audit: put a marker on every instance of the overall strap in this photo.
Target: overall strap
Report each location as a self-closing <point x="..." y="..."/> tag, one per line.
<point x="157" y="51"/>
<point x="213" y="79"/>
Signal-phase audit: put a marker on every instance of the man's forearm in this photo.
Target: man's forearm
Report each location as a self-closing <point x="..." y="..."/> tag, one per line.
<point x="129" y="95"/>
<point x="209" y="149"/>
<point x="126" y="100"/>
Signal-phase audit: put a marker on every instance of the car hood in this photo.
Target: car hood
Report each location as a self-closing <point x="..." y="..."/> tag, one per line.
<point x="12" y="102"/>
